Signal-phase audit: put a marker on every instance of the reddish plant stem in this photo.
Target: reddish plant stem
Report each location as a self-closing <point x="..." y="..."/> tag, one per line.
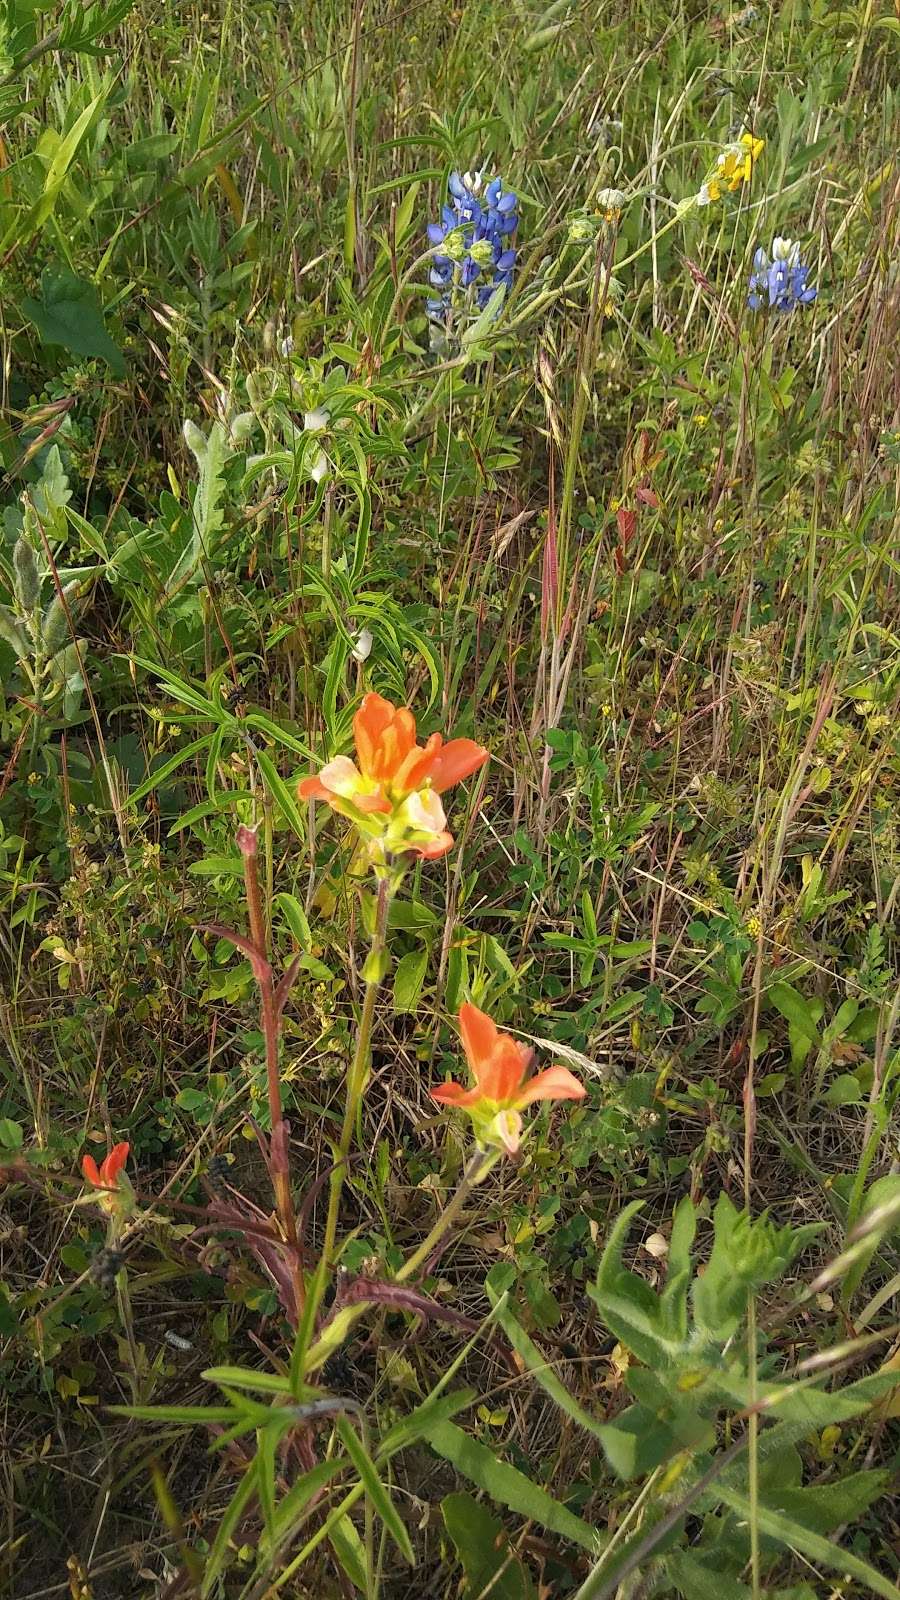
<point x="270" y="1022"/>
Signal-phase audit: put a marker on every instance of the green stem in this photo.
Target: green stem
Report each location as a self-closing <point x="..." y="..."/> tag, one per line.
<point x="478" y="1167"/>
<point x="753" y="1457"/>
<point x="359" y="1067"/>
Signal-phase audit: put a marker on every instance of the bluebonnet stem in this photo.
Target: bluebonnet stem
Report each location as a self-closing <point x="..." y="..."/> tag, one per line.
<point x="474" y="254"/>
<point x="780" y="281"/>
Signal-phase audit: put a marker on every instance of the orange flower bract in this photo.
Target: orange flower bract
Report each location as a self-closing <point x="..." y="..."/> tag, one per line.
<point x="501" y="1091"/>
<point x="106" y="1176"/>
<point x="392" y="794"/>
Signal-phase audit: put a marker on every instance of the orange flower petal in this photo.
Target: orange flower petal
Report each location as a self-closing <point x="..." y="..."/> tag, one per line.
<point x="479" y="1036"/>
<point x="371" y="802"/>
<point x="313" y="789"/>
<point x="90" y="1171"/>
<point x="453" y="1094"/>
<point x="370" y="722"/>
<point x="435" y="847"/>
<point x="503" y="1078"/>
<point x="396" y="742"/>
<point x="556" y="1083"/>
<point x="417" y="765"/>
<point x="114" y="1163"/>
<point x="457" y="760"/>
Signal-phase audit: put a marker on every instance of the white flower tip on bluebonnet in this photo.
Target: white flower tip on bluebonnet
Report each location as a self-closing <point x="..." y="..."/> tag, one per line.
<point x="474" y="180"/>
<point x="319" y="468"/>
<point x="315" y="421"/>
<point x="286" y="345"/>
<point x="787" y="250"/>
<point x="362" y="647"/>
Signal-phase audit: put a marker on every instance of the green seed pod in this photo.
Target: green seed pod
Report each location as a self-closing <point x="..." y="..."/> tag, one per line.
<point x="28" y="583"/>
<point x="55" y="625"/>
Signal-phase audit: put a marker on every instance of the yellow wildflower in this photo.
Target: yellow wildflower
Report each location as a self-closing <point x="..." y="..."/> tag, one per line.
<point x="734" y="166"/>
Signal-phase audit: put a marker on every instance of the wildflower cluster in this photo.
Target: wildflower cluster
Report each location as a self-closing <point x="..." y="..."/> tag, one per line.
<point x="474" y="254"/>
<point x="500" y="1093"/>
<point x="780" y="282"/>
<point x="393" y="795"/>
<point x="733" y="168"/>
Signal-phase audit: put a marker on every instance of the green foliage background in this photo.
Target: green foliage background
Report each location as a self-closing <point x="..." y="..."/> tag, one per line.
<point x="650" y="559"/>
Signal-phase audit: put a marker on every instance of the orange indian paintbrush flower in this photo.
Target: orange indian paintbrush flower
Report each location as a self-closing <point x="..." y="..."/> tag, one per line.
<point x="106" y="1177"/>
<point x="392" y="795"/>
<point x="498" y="1064"/>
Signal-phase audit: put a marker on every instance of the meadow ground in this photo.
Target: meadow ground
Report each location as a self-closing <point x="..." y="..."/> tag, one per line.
<point x="599" y="473"/>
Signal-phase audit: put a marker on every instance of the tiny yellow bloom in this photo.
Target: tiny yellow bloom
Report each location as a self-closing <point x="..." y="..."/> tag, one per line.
<point x="734" y="167"/>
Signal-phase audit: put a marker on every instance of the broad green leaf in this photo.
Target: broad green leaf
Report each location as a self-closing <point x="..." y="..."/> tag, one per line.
<point x="788" y="1000"/>
<point x="507" y="1485"/>
<point x="699" y="1579"/>
<point x="69" y="314"/>
<point x="408" y="980"/>
<point x="637" y="1442"/>
<point x="824" y="1506"/>
<point x="214" y="866"/>
<point x="490" y="1565"/>
<point x="802" y="1403"/>
<point x="295" y="917"/>
<point x="11" y="1135"/>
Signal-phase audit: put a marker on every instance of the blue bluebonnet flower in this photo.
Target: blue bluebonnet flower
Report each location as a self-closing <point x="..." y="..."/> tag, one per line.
<point x="473" y="244"/>
<point x="780" y="281"/>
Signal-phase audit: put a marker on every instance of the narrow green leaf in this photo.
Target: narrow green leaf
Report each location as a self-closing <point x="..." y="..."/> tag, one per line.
<point x="218" y="1554"/>
<point x="349" y="1549"/>
<point x="374" y="1487"/>
<point x="295" y="917"/>
<point x="292" y="1506"/>
<point x="281" y="793"/>
<point x="793" y="1536"/>
<point x="507" y="1485"/>
<point x="542" y="1371"/>
<point x="246" y="1378"/>
<point x="185" y="1414"/>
